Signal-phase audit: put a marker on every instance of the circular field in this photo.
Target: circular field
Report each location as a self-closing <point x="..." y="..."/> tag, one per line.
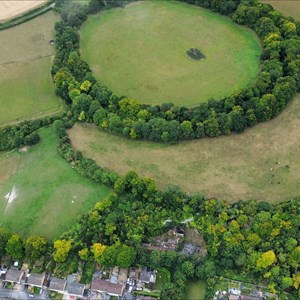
<point x="141" y="51"/>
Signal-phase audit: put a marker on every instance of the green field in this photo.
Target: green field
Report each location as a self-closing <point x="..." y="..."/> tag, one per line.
<point x="196" y="290"/>
<point x="237" y="167"/>
<point x="50" y="194"/>
<point x="140" y="51"/>
<point x="26" y="88"/>
<point x="288" y="8"/>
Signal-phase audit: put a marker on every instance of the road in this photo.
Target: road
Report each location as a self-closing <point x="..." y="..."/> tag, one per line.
<point x="19" y="295"/>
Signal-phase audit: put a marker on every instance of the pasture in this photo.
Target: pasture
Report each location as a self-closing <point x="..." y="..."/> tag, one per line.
<point x="287" y="7"/>
<point x="26" y="88"/>
<point x="46" y="194"/>
<point x="261" y="163"/>
<point x="10" y="9"/>
<point x="141" y="51"/>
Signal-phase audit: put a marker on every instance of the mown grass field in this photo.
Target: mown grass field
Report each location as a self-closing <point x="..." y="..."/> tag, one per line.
<point x="287" y="7"/>
<point x="140" y="51"/>
<point x="262" y="163"/>
<point x="196" y="290"/>
<point x="26" y="88"/>
<point x="50" y="194"/>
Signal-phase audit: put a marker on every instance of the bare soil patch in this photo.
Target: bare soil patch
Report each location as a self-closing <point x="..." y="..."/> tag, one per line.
<point x="11" y="9"/>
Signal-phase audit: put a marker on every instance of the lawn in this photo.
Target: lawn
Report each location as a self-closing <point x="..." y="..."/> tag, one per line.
<point x="289" y="8"/>
<point x="140" y="51"/>
<point x="262" y="163"/>
<point x="50" y="194"/>
<point x="26" y="88"/>
<point x="195" y="290"/>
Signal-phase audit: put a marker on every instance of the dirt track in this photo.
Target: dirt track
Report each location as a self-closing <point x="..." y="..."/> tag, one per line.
<point x="11" y="8"/>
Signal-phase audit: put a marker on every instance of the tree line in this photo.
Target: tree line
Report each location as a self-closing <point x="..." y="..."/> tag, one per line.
<point x="276" y="84"/>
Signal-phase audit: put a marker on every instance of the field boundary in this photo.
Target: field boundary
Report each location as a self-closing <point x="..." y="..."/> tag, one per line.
<point x="28" y="15"/>
<point x="40" y="114"/>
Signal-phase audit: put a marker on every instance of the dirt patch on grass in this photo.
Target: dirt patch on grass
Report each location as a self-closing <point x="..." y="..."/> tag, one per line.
<point x="10" y="9"/>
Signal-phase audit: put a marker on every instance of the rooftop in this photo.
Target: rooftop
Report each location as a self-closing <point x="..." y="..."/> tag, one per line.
<point x="14" y="275"/>
<point x="36" y="279"/>
<point x="57" y="284"/>
<point x="108" y="287"/>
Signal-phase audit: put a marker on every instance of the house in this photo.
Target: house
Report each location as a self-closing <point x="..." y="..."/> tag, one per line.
<point x="147" y="276"/>
<point x="14" y="276"/>
<point x="103" y="286"/>
<point x="35" y="279"/>
<point x="57" y="285"/>
<point x="75" y="289"/>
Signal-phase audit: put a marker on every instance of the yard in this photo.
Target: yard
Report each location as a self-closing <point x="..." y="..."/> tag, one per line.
<point x="46" y="193"/>
<point x="140" y="51"/>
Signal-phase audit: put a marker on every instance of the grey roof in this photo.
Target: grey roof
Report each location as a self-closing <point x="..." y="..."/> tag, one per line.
<point x="36" y="279"/>
<point x="13" y="275"/>
<point x="75" y="288"/>
<point x="100" y="285"/>
<point x="57" y="284"/>
<point x="145" y="276"/>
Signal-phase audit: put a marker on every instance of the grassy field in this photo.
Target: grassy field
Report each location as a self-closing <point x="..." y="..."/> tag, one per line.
<point x="289" y="8"/>
<point x="196" y="290"/>
<point x="26" y="88"/>
<point x="262" y="163"/>
<point x="50" y="194"/>
<point x="140" y="51"/>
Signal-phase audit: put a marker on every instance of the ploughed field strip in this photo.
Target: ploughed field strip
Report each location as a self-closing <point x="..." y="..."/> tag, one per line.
<point x="287" y="7"/>
<point x="262" y="163"/>
<point x="26" y="88"/>
<point x="40" y="193"/>
<point x="142" y="51"/>
<point x="12" y="9"/>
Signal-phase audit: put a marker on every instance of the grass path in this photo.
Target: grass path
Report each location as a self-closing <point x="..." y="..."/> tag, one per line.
<point x="50" y="194"/>
<point x="236" y="167"/>
<point x="140" y="51"/>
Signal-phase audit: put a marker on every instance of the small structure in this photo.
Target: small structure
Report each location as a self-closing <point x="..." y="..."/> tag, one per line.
<point x="35" y="279"/>
<point x="103" y="286"/>
<point x="57" y="285"/>
<point x="190" y="249"/>
<point x="51" y="42"/>
<point x="14" y="276"/>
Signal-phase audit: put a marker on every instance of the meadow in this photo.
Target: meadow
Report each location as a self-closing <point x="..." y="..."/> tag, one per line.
<point x="261" y="163"/>
<point x="140" y="51"/>
<point x="49" y="193"/>
<point x="26" y="88"/>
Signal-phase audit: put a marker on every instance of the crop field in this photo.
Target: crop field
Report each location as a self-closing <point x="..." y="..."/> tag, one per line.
<point x="26" y="88"/>
<point x="11" y="8"/>
<point x="140" y="51"/>
<point x="40" y="193"/>
<point x="287" y="7"/>
<point x="262" y="163"/>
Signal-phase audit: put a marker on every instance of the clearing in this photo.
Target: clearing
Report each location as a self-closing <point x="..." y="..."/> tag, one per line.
<point x="26" y="88"/>
<point x="288" y="8"/>
<point x="262" y="163"/>
<point x="141" y="51"/>
<point x="10" y="9"/>
<point x="46" y="194"/>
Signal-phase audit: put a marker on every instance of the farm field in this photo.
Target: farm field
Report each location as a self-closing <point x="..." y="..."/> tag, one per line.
<point x="10" y="9"/>
<point x="49" y="193"/>
<point x="287" y="7"/>
<point x="261" y="163"/>
<point x="26" y="88"/>
<point x="140" y="51"/>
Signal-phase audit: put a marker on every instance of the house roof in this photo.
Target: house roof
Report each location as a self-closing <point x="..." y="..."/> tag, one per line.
<point x="108" y="287"/>
<point x="75" y="288"/>
<point x="57" y="284"/>
<point x="145" y="276"/>
<point x="36" y="279"/>
<point x="13" y="275"/>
